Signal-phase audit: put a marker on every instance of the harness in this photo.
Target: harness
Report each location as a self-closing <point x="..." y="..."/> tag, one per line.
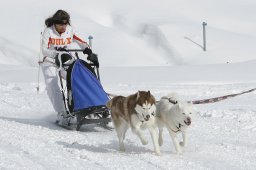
<point x="178" y="128"/>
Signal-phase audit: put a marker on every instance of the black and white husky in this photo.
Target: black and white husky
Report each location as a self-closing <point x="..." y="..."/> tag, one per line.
<point x="176" y="116"/>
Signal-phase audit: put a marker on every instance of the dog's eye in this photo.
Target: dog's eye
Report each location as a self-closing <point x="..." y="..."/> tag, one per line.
<point x="190" y="113"/>
<point x="183" y="113"/>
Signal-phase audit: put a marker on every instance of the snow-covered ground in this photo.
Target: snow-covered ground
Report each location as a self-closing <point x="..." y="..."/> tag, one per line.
<point x="221" y="137"/>
<point x="142" y="45"/>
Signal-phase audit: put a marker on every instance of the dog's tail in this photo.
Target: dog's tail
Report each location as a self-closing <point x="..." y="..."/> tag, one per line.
<point x="171" y="97"/>
<point x="109" y="103"/>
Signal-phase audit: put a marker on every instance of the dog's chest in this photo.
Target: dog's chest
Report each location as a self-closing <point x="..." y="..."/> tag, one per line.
<point x="144" y="126"/>
<point x="147" y="124"/>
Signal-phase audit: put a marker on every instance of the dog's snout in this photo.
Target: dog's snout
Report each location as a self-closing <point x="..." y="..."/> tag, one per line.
<point x="148" y="116"/>
<point x="187" y="121"/>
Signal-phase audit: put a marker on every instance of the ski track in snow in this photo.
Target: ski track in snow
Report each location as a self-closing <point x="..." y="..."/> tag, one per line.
<point x="31" y="140"/>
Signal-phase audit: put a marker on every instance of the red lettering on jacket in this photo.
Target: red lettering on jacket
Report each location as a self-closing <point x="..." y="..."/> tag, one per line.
<point x="59" y="41"/>
<point x="68" y="40"/>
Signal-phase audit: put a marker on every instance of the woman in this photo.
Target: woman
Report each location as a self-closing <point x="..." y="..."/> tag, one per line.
<point x="56" y="39"/>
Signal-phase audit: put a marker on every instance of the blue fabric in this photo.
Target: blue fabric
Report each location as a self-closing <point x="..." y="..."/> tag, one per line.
<point x="86" y="88"/>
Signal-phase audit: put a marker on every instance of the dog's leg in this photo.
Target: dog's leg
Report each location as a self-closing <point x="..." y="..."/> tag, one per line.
<point x="153" y="134"/>
<point x="184" y="137"/>
<point x="160" y="138"/>
<point x="175" y="140"/>
<point x="121" y="131"/>
<point x="135" y="125"/>
<point x="138" y="132"/>
<point x="160" y="127"/>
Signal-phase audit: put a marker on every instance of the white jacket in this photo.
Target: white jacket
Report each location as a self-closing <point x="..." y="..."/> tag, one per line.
<point x="52" y="39"/>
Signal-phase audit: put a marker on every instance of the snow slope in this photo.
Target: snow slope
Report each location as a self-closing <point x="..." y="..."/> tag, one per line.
<point x="138" y="33"/>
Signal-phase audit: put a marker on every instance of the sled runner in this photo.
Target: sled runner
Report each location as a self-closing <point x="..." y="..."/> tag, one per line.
<point x="83" y="95"/>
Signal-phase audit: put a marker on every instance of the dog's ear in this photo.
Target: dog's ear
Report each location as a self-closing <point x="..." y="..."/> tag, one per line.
<point x="138" y="95"/>
<point x="180" y="104"/>
<point x="191" y="105"/>
<point x="149" y="93"/>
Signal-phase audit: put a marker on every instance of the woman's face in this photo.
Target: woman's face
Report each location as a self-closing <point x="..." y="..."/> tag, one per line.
<point x="60" y="28"/>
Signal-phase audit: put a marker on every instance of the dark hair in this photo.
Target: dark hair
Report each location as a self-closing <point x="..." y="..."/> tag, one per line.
<point x="60" y="17"/>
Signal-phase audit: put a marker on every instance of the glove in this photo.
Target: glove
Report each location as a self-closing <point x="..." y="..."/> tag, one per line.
<point x="87" y="51"/>
<point x="61" y="49"/>
<point x="63" y="59"/>
<point x="94" y="59"/>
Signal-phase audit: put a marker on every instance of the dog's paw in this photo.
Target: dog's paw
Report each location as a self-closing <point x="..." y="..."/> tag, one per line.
<point x="121" y="148"/>
<point x="144" y="142"/>
<point x="181" y="144"/>
<point x="158" y="153"/>
<point x="178" y="149"/>
<point x="178" y="152"/>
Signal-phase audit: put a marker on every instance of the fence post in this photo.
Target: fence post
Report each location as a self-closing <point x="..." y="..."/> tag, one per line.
<point x="204" y="36"/>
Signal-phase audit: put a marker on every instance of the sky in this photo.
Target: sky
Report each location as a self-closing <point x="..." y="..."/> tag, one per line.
<point x="142" y="45"/>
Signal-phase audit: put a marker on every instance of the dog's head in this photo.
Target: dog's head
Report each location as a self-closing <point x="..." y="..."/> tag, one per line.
<point x="145" y="105"/>
<point x="184" y="112"/>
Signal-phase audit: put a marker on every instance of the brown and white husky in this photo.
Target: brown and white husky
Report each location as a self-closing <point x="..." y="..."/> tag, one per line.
<point x="136" y="111"/>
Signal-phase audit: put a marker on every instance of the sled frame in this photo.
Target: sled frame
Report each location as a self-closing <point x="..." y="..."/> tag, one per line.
<point x="100" y="114"/>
